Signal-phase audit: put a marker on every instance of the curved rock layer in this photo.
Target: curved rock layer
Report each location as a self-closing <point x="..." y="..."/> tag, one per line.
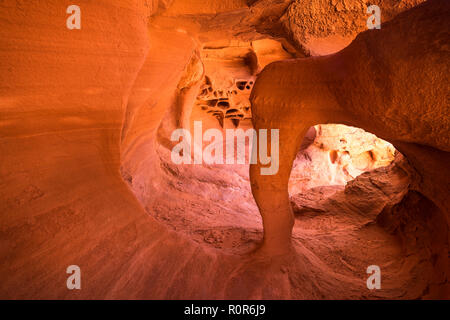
<point x="87" y="177"/>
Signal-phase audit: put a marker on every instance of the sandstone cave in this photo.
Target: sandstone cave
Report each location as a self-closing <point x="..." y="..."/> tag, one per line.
<point x="88" y="178"/>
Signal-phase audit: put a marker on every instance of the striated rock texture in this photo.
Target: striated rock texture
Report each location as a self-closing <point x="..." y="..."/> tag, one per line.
<point x="86" y="176"/>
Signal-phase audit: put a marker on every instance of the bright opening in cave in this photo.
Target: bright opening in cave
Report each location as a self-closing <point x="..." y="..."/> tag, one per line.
<point x="344" y="186"/>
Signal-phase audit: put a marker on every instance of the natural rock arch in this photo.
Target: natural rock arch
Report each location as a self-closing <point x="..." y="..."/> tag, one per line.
<point x="368" y="85"/>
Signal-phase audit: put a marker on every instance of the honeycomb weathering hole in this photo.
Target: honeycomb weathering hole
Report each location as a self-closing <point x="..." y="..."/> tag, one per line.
<point x="344" y="186"/>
